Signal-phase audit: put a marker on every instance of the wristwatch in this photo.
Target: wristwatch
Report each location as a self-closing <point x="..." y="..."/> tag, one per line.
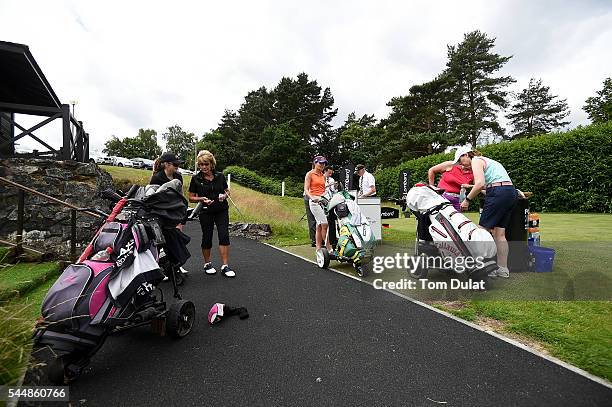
<point x="468" y="199"/>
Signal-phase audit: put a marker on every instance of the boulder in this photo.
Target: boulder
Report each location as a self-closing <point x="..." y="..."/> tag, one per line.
<point x="250" y="230"/>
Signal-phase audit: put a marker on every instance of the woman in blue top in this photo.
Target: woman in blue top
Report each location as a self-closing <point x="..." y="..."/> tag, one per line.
<point x="500" y="195"/>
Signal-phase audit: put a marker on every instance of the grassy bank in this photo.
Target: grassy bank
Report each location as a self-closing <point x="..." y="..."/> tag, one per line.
<point x="22" y="289"/>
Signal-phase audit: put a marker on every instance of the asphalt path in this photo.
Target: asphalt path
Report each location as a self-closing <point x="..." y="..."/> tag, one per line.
<point x="318" y="338"/>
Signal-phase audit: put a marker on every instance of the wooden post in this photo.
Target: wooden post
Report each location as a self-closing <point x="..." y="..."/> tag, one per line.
<point x="283" y="188"/>
<point x="20" y="214"/>
<point x="66" y="134"/>
<point x="73" y="234"/>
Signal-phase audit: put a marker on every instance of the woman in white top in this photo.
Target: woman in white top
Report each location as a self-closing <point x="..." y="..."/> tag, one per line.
<point x="492" y="177"/>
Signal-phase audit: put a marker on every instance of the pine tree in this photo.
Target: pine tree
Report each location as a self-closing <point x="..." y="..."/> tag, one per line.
<point x="535" y="111"/>
<point x="417" y="124"/>
<point x="476" y="95"/>
<point x="599" y="107"/>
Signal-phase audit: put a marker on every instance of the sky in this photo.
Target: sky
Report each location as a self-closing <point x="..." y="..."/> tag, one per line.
<point x="149" y="64"/>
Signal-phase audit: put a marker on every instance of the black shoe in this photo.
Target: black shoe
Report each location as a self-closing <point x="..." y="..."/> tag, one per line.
<point x="313" y="244"/>
<point x="209" y="269"/>
<point x="228" y="272"/>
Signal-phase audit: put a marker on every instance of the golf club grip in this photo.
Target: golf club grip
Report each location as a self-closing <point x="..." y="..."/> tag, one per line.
<point x="132" y="191"/>
<point x="110" y="195"/>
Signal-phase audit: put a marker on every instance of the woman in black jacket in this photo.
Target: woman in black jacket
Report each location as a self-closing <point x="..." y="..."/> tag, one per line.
<point x="165" y="170"/>
<point x="210" y="187"/>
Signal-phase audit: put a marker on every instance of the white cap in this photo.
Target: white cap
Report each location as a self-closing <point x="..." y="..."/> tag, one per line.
<point x="461" y="151"/>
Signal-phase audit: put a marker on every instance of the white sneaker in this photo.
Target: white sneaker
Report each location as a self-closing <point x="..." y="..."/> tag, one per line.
<point x="184" y="271"/>
<point x="209" y="269"/>
<point x="228" y="272"/>
<point x="503" y="272"/>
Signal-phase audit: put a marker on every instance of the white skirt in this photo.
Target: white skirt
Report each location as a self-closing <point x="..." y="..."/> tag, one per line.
<point x="318" y="212"/>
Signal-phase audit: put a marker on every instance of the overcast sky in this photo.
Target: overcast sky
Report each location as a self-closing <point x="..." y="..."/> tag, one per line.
<point x="149" y="64"/>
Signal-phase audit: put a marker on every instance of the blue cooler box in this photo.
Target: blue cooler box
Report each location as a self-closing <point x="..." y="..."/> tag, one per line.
<point x="544" y="258"/>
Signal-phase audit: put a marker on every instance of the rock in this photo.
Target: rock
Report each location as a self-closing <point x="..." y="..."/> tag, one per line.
<point x="250" y="230"/>
<point x="59" y="173"/>
<point x="47" y="225"/>
<point x="90" y="169"/>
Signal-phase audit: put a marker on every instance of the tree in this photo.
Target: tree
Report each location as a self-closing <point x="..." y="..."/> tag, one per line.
<point x="536" y="111"/>
<point x="282" y="154"/>
<point x="301" y="104"/>
<point x="143" y="145"/>
<point x="358" y="140"/>
<point x="113" y="147"/>
<point x="254" y="115"/>
<point x="418" y="123"/>
<point x="299" y="108"/>
<point x="180" y="143"/>
<point x="146" y="144"/>
<point x="475" y="95"/>
<point x="599" y="108"/>
<point x="224" y="142"/>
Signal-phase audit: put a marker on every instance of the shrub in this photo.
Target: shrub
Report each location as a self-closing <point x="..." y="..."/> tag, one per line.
<point x="266" y="185"/>
<point x="568" y="172"/>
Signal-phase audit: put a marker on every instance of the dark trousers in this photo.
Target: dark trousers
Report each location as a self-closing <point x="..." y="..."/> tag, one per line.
<point x="208" y="222"/>
<point x="312" y="223"/>
<point x="331" y="229"/>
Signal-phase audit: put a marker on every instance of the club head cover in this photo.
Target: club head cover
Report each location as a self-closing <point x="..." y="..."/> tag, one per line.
<point x="216" y="313"/>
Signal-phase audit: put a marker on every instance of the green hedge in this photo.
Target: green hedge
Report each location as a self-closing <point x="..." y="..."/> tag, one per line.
<point x="266" y="185"/>
<point x="567" y="172"/>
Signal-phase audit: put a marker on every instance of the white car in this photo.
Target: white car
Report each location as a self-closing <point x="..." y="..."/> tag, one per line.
<point x="143" y="163"/>
<point x="122" y="162"/>
<point x="101" y="159"/>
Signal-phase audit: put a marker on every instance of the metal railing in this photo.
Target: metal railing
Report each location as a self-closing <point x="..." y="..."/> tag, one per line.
<point x="22" y="189"/>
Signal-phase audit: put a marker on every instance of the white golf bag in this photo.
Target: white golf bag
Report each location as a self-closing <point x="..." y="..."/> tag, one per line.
<point x="443" y="231"/>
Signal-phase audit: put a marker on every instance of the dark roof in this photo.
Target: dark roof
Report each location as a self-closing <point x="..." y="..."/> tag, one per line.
<point x="22" y="82"/>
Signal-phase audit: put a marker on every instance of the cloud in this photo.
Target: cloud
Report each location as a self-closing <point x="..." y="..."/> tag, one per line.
<point x="131" y="66"/>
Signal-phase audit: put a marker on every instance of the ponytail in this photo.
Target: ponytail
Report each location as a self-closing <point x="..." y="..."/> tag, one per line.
<point x="156" y="165"/>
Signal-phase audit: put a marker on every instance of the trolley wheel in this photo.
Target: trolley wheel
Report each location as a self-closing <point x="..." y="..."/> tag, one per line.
<point x="60" y="372"/>
<point x="323" y="258"/>
<point x="180" y="318"/>
<point x="56" y="369"/>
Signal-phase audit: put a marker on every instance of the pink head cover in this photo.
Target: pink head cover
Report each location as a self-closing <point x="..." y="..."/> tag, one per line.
<point x="215" y="313"/>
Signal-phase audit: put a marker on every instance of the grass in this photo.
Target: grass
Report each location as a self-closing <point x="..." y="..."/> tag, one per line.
<point x="579" y="332"/>
<point x="22" y="288"/>
<point x="123" y="176"/>
<point x="18" y="279"/>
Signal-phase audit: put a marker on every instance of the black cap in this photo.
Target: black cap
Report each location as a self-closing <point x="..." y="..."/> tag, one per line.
<point x="170" y="158"/>
<point x="359" y="167"/>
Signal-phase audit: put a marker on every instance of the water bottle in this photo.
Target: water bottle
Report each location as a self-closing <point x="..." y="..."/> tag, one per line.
<point x="103" y="255"/>
<point x="462" y="195"/>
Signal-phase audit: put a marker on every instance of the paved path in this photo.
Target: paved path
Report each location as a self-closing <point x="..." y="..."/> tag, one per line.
<point x="318" y="338"/>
